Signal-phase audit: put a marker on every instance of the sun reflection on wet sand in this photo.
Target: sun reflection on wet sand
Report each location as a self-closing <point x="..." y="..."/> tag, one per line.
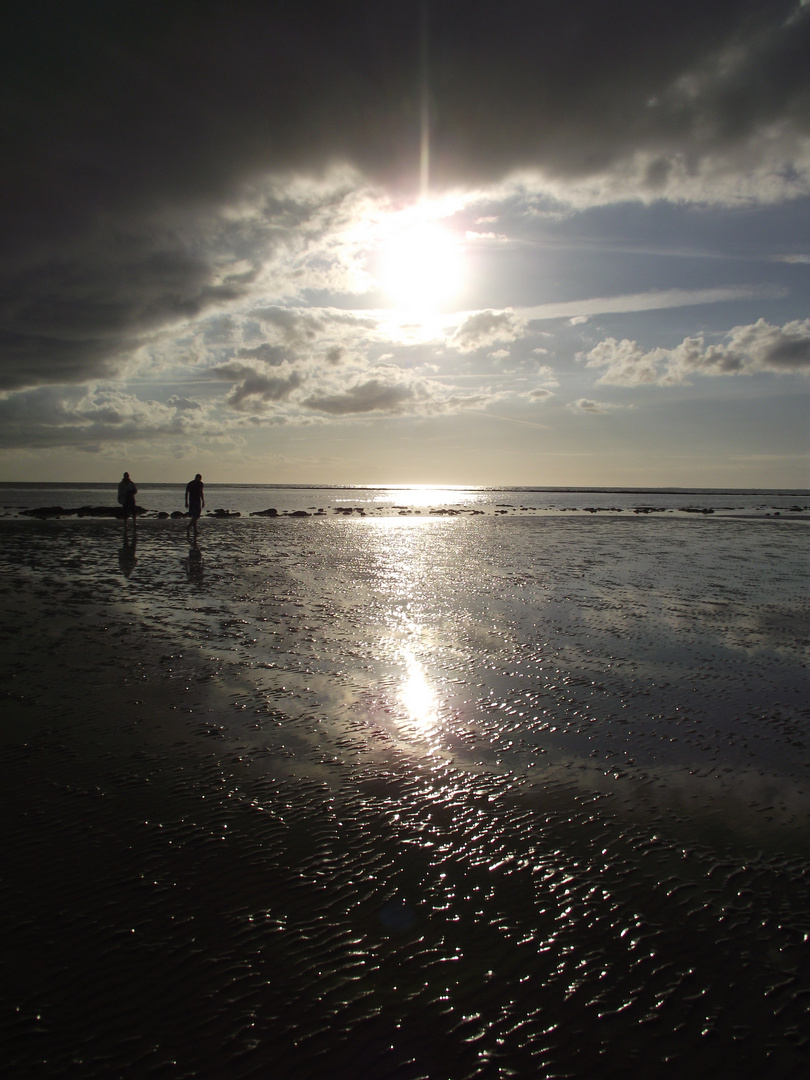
<point x="416" y="694"/>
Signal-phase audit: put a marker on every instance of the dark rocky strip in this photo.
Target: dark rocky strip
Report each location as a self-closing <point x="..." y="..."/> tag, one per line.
<point x="44" y="512"/>
<point x="80" y="511"/>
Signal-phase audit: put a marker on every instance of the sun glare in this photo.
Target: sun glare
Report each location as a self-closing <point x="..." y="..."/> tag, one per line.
<point x="417" y="696"/>
<point x="420" y="265"/>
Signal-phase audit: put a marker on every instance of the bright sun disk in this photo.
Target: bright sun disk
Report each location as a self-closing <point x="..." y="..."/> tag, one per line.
<point x="421" y="266"/>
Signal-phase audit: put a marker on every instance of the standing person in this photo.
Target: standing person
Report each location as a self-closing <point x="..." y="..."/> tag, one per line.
<point x="195" y="501"/>
<point x="126" y="497"/>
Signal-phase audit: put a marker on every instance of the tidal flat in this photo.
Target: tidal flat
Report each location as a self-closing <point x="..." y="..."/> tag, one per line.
<point x="406" y="799"/>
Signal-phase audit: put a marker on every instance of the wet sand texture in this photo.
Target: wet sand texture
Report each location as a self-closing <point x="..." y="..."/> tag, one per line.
<point x="405" y="800"/>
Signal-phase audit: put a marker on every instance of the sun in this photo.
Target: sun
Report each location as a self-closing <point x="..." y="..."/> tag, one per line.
<point x="420" y="264"/>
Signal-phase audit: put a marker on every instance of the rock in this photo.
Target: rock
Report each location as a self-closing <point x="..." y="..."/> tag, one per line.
<point x="47" y="511"/>
<point x="163" y="515"/>
<point x="177" y="514"/>
<point x="300" y="514"/>
<point x="269" y="512"/>
<point x="81" y="511"/>
<point x="225" y="514"/>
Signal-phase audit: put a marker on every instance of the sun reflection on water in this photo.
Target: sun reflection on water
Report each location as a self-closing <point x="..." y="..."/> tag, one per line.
<point x="401" y="562"/>
<point x="417" y="696"/>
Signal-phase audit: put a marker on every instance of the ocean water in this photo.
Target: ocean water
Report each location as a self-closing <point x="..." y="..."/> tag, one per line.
<point x="246" y="499"/>
<point x="404" y="797"/>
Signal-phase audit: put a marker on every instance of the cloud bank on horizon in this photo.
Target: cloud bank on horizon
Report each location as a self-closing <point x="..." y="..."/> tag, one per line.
<point x="199" y="200"/>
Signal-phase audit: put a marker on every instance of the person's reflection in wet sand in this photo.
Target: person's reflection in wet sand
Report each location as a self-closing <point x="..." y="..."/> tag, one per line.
<point x="126" y="553"/>
<point x="194" y="565"/>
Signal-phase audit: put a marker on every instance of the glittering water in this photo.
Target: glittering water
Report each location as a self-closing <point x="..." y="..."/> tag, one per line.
<point x="402" y="798"/>
<point x="379" y="500"/>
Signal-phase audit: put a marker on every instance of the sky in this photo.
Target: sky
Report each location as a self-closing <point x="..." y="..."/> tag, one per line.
<point x="420" y="241"/>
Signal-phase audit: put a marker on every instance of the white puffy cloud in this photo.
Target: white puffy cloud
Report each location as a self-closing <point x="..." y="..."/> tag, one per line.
<point x="587" y="405"/>
<point x="487" y="328"/>
<point x="747" y="350"/>
<point x="627" y="364"/>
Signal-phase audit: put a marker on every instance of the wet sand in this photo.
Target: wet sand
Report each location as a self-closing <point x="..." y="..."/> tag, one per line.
<point x="402" y="799"/>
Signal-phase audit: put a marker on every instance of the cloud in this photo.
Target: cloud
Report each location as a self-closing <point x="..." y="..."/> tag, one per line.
<point x="90" y="419"/>
<point x="374" y="395"/>
<point x="675" y="90"/>
<point x="626" y="363"/>
<point x="397" y="393"/>
<point x="273" y="355"/>
<point x="540" y="394"/>
<point x="546" y="374"/>
<point x="748" y="350"/>
<point x="579" y="311"/>
<point x="587" y="405"/>
<point x="81" y="310"/>
<point x="487" y="328"/>
<point x="183" y="404"/>
<point x="254" y="389"/>
<point x="292" y="326"/>
<point x="168" y="164"/>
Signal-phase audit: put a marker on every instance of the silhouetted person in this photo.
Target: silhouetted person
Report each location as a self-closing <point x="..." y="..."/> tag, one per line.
<point x="126" y="497"/>
<point x="195" y="501"/>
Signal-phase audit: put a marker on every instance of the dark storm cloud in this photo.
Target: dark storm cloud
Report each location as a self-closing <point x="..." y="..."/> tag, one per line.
<point x="116" y="104"/>
<point x="127" y="125"/>
<point x="74" y="314"/>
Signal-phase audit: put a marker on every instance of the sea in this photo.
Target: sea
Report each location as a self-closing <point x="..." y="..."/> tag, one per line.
<point x="246" y="499"/>
<point x="406" y="784"/>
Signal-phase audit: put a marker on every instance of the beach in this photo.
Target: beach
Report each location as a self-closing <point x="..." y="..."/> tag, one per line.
<point x="408" y="796"/>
